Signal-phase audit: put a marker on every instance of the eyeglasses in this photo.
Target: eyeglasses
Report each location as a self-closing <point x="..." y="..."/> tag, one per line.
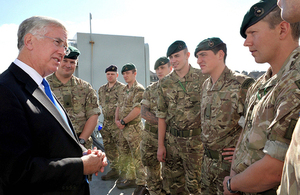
<point x="59" y="43"/>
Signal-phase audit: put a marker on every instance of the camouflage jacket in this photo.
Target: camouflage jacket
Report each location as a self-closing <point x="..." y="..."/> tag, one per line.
<point x="108" y="99"/>
<point x="77" y="97"/>
<point x="150" y="100"/>
<point x="179" y="99"/>
<point x="222" y="105"/>
<point x="291" y="172"/>
<point x="273" y="105"/>
<point x="130" y="99"/>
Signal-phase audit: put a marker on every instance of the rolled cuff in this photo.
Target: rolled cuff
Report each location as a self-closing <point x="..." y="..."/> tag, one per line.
<point x="136" y="105"/>
<point x="94" y="111"/>
<point x="161" y="115"/>
<point x="276" y="149"/>
<point x="145" y="102"/>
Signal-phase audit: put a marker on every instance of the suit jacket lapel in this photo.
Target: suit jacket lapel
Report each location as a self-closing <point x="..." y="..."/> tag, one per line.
<point x="36" y="92"/>
<point x="46" y="102"/>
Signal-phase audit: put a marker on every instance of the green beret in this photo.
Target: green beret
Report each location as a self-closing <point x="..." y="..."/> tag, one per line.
<point x="176" y="47"/>
<point x="208" y="44"/>
<point x="74" y="53"/>
<point x="111" y="68"/>
<point x="257" y="12"/>
<point x="128" y="66"/>
<point x="161" y="61"/>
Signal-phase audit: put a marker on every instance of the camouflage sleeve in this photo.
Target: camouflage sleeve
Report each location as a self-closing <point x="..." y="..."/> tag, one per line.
<point x="100" y="95"/>
<point x="120" y="97"/>
<point x="138" y="98"/>
<point x="146" y="97"/>
<point x="91" y="104"/>
<point x="290" y="174"/>
<point x="161" y="104"/>
<point x="287" y="108"/>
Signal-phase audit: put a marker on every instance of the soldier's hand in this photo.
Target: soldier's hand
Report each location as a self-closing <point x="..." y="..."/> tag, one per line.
<point x="228" y="153"/>
<point x="119" y="125"/>
<point x="161" y="154"/>
<point x="226" y="192"/>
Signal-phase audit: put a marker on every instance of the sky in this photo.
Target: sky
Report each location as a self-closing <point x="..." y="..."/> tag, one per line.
<point x="160" y="22"/>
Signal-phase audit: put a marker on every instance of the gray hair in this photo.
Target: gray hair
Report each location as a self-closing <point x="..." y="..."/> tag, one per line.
<point x="34" y="25"/>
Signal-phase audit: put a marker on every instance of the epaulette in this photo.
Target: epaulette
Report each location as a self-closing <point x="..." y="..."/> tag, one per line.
<point x="247" y="83"/>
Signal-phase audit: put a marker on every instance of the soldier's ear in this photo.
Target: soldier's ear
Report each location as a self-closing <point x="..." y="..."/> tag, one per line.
<point x="220" y="54"/>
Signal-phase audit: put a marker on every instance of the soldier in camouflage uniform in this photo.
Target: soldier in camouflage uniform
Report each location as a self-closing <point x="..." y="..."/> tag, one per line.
<point x="291" y="173"/>
<point x="108" y="98"/>
<point x="77" y="96"/>
<point x="128" y="120"/>
<point x="222" y="106"/>
<point x="272" y="102"/>
<point x="178" y="110"/>
<point x="150" y="133"/>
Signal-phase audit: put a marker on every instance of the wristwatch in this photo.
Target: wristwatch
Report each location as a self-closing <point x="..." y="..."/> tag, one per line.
<point x="122" y="122"/>
<point x="229" y="188"/>
<point x="81" y="141"/>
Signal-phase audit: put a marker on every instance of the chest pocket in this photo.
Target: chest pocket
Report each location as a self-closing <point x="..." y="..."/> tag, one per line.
<point x="224" y="105"/>
<point x="192" y="98"/>
<point x="67" y="101"/>
<point x="208" y="111"/>
<point x="78" y="99"/>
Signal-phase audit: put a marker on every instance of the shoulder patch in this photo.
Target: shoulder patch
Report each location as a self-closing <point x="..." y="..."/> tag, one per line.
<point x="247" y="83"/>
<point x="141" y="90"/>
<point x="298" y="83"/>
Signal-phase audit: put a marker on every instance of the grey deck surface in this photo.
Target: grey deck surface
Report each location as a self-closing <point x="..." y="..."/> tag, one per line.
<point x="100" y="187"/>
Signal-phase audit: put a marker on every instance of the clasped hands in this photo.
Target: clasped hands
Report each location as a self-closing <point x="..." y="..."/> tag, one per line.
<point x="93" y="161"/>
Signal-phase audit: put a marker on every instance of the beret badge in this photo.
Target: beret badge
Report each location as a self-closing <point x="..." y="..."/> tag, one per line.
<point x="258" y="11"/>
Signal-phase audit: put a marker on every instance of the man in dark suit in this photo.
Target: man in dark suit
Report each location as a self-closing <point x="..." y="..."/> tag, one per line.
<point x="39" y="150"/>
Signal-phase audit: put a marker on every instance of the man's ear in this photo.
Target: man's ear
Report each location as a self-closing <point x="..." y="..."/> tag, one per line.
<point x="221" y="54"/>
<point x="284" y="28"/>
<point x="28" y="41"/>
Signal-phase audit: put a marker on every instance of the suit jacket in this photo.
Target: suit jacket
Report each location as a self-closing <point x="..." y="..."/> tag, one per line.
<point x="38" y="153"/>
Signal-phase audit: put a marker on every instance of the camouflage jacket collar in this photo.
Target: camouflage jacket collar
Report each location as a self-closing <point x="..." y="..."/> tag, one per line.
<point x="132" y="87"/>
<point x="107" y="86"/>
<point x="226" y="74"/>
<point x="187" y="78"/>
<point x="286" y="67"/>
<point x="58" y="83"/>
